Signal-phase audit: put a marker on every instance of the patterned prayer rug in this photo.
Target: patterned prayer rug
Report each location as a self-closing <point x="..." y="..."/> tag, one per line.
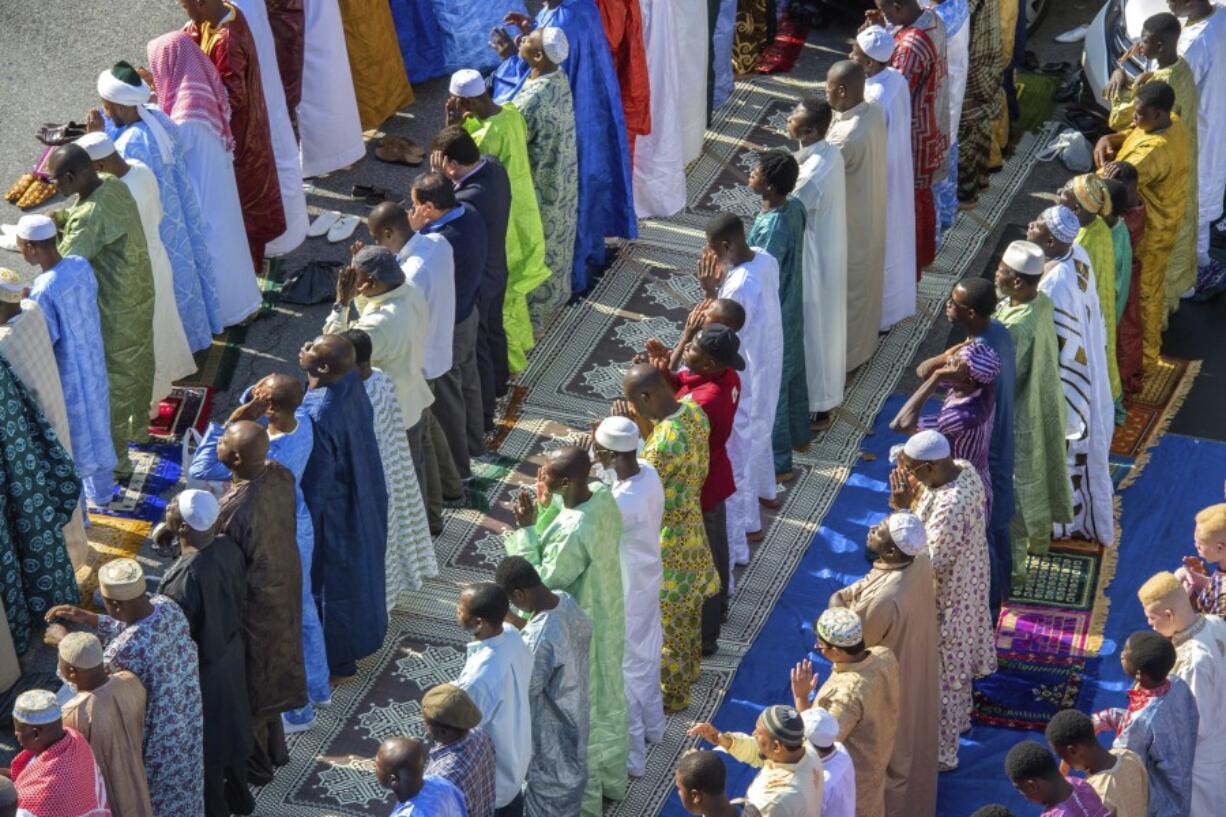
<point x="186" y="407"/>
<point x="1150" y="406"/>
<point x="1063" y="580"/>
<point x="1035" y="630"/>
<point x="1027" y="690"/>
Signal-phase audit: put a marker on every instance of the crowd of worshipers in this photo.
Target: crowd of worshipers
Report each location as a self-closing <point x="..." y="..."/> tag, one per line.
<point x="311" y="510"/>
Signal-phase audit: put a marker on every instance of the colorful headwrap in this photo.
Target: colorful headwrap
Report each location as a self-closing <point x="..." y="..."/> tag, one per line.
<point x="981" y="360"/>
<point x="1061" y="222"/>
<point x="188" y="85"/>
<point x="123" y="86"/>
<point x="1092" y="194"/>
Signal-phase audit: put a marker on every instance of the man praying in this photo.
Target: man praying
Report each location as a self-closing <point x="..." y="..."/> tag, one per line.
<point x="55" y="771"/>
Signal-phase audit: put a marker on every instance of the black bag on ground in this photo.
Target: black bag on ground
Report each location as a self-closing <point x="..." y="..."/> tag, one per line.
<point x="312" y="283"/>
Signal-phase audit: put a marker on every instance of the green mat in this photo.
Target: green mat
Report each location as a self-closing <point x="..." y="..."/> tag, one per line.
<point x="215" y="365"/>
<point x="1036" y="99"/>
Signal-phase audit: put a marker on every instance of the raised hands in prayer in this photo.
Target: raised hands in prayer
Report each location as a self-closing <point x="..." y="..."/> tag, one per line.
<point x="903" y="488"/>
<point x="521" y="21"/>
<point x="1193" y="575"/>
<point x="525" y="508"/>
<point x="452" y="112"/>
<point x="501" y="42"/>
<point x="417" y="215"/>
<point x="93" y="121"/>
<point x="436" y="161"/>
<point x="804" y="684"/>
<point x="710" y="273"/>
<point x="1106" y="148"/>
<point x="657" y="353"/>
<point x="707" y="732"/>
<point x="252" y="410"/>
<point x="872" y="17"/>
<point x="346" y="285"/>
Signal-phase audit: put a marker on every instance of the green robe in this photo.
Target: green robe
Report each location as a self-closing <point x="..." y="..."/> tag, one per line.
<point x="1098" y="243"/>
<point x="1181" y="264"/>
<point x="549" y="112"/>
<point x="504" y="136"/>
<point x="105" y="230"/>
<point x="1042" y="492"/>
<point x="576" y="550"/>
<point x="781" y="233"/>
<point x="1122" y="242"/>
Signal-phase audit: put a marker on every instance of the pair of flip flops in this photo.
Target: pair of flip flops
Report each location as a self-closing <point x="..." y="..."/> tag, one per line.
<point x="400" y="151"/>
<point x="51" y="133"/>
<point x="336" y="226"/>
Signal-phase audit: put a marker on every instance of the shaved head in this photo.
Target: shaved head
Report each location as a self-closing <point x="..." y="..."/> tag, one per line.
<point x="248" y="440"/>
<point x="643" y="377"/>
<point x="402" y="753"/>
<point x="284" y="392"/>
<point x="728" y="312"/>
<point x="571" y="462"/>
<point x="70" y="158"/>
<point x="399" y="766"/>
<point x="387" y="216"/>
<point x="327" y="359"/>
<point x="845" y="85"/>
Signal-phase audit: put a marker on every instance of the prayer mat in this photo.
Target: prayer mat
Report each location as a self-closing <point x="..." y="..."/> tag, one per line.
<point x="1161" y="393"/>
<point x="157" y="468"/>
<point x="187" y="407"/>
<point x="1064" y="580"/>
<point x="110" y="537"/>
<point x="1035" y="99"/>
<point x="781" y="55"/>
<point x="1026" y="690"/>
<point x="1043" y="631"/>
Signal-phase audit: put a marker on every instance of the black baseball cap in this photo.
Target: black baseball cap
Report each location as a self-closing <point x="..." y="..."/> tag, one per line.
<point x="722" y="344"/>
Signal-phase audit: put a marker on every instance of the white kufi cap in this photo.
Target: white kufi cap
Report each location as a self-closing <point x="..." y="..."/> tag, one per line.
<point x="876" y="43"/>
<point x="35" y="228"/>
<point x="467" y="83"/>
<point x="555" y="44"/>
<point x="121" y="580"/>
<point x="821" y="728"/>
<point x="97" y="144"/>
<point x="618" y="434"/>
<point x="81" y="650"/>
<point x="1061" y="222"/>
<point x="36" y="707"/>
<point x="199" y="509"/>
<point x="1025" y="258"/>
<point x="928" y="445"/>
<point x="907" y="531"/>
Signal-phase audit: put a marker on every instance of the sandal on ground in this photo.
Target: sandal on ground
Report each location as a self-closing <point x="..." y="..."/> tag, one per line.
<point x="343" y="229"/>
<point x="400" y="151"/>
<point x="322" y="223"/>
<point x="53" y="134"/>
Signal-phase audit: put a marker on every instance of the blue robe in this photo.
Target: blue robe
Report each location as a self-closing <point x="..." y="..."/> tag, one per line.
<point x="345" y="492"/>
<point x="721" y="54"/>
<point x="422" y="42"/>
<point x="465" y="27"/>
<point x="606" y="202"/>
<point x="182" y="227"/>
<point x="67" y="294"/>
<point x="1000" y="464"/>
<point x="292" y="451"/>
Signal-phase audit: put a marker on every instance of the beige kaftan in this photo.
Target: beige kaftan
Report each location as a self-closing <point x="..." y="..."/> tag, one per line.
<point x="1124" y="788"/>
<point x="112" y="719"/>
<point x="780" y="789"/>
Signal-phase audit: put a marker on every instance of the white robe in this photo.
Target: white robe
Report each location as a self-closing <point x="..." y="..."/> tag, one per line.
<point x="820" y="188"/>
<point x="755" y="286"/>
<point x="211" y="168"/>
<point x="859" y="133"/>
<point x="328" y="113"/>
<point x="1200" y="662"/>
<point x="889" y="90"/>
<point x="659" y="157"/>
<point x="284" y="145"/>
<point x="958" y="55"/>
<point x="1069" y="283"/>
<point x="1203" y="45"/>
<point x="172" y="356"/>
<point x="693" y="42"/>
<point x="641" y="502"/>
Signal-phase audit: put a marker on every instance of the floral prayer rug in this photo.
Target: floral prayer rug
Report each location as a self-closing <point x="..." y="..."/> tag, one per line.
<point x="1027" y="690"/>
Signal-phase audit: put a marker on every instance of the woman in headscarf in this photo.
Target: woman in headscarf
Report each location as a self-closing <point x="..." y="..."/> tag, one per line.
<point x="966" y="412"/>
<point x="190" y="92"/>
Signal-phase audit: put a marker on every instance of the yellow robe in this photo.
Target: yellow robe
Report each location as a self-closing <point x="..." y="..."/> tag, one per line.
<point x="1161" y="159"/>
<point x="1181" y="266"/>
<point x="1096" y="241"/>
<point x="380" y="81"/>
<point x="1000" y="126"/>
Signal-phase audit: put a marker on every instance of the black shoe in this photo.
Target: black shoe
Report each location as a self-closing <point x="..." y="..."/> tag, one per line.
<point x="709" y="649"/>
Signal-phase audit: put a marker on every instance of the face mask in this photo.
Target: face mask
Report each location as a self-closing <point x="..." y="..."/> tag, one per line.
<point x="606" y="475"/>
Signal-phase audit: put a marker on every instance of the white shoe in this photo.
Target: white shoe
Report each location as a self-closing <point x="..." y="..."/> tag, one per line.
<point x="8" y="237"/>
<point x="343" y="229"/>
<point x="322" y="223"/>
<point x="1073" y="35"/>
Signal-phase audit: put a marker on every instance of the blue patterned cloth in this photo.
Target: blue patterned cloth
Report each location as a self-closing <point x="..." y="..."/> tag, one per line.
<point x="159" y="650"/>
<point x="465" y="26"/>
<point x="1163" y="734"/>
<point x="721" y="52"/>
<point x="182" y="227"/>
<point x="422" y="42"/>
<point x="469" y="764"/>
<point x="292" y="450"/>
<point x="67" y="294"/>
<point x="606" y="203"/>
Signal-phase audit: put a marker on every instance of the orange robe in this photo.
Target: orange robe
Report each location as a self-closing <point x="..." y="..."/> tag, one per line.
<point x="380" y="81"/>
<point x="623" y="28"/>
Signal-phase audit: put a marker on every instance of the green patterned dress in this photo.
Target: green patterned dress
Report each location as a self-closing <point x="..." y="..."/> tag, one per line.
<point x="677" y="449"/>
<point x="549" y="113"/>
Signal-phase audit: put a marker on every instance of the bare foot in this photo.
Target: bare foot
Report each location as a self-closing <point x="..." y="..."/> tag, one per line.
<point x="755" y="536"/>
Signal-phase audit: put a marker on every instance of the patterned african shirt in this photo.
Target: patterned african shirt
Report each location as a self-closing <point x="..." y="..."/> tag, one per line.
<point x="919" y="55"/>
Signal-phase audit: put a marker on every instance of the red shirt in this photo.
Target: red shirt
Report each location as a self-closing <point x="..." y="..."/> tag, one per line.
<point x="718" y="395"/>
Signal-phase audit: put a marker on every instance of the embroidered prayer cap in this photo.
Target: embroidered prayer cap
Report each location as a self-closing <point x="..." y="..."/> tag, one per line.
<point x="36" y="707"/>
<point x="981" y="360"/>
<point x="1161" y="587"/>
<point x="1211" y="521"/>
<point x="840" y="627"/>
<point x="618" y="434"/>
<point x="122" y="85"/>
<point x="199" y="509"/>
<point x="555" y="44"/>
<point x="1061" y="223"/>
<point x="821" y="728"/>
<point x="35" y="228"/>
<point x="12" y="286"/>
<point x="1092" y="194"/>
<point x="784" y="725"/>
<point x="451" y="706"/>
<point x="121" y="580"/>
<point x="907" y="531"/>
<point x="928" y="445"/>
<point x="467" y="83"/>
<point x="379" y="263"/>
<point x="1025" y="258"/>
<point x="876" y="43"/>
<point x="81" y="650"/>
<point x="97" y="144"/>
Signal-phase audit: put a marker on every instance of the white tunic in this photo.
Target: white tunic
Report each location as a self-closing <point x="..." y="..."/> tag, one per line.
<point x="1201" y="663"/>
<point x="839" y="791"/>
<point x="328" y="112"/>
<point x="693" y="43"/>
<point x="284" y="145"/>
<point x="889" y="90"/>
<point x="1203" y="45"/>
<point x="172" y="356"/>
<point x="1069" y="283"/>
<point x="641" y="502"/>
<point x="211" y="168"/>
<point x="820" y="187"/>
<point x="957" y="51"/>
<point x="429" y="265"/>
<point x="755" y="286"/>
<point x="659" y="157"/>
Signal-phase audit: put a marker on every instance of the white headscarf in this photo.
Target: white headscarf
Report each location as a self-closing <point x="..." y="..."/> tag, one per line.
<point x="113" y="89"/>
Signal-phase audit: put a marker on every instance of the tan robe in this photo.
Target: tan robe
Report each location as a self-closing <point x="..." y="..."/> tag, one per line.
<point x="860" y="135"/>
<point x="897" y="605"/>
<point x="112" y="719"/>
<point x="1124" y="788"/>
<point x="864" y="697"/>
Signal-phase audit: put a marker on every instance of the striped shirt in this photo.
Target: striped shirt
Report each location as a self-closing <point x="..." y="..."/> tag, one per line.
<point x="469" y="764"/>
<point x="919" y="55"/>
